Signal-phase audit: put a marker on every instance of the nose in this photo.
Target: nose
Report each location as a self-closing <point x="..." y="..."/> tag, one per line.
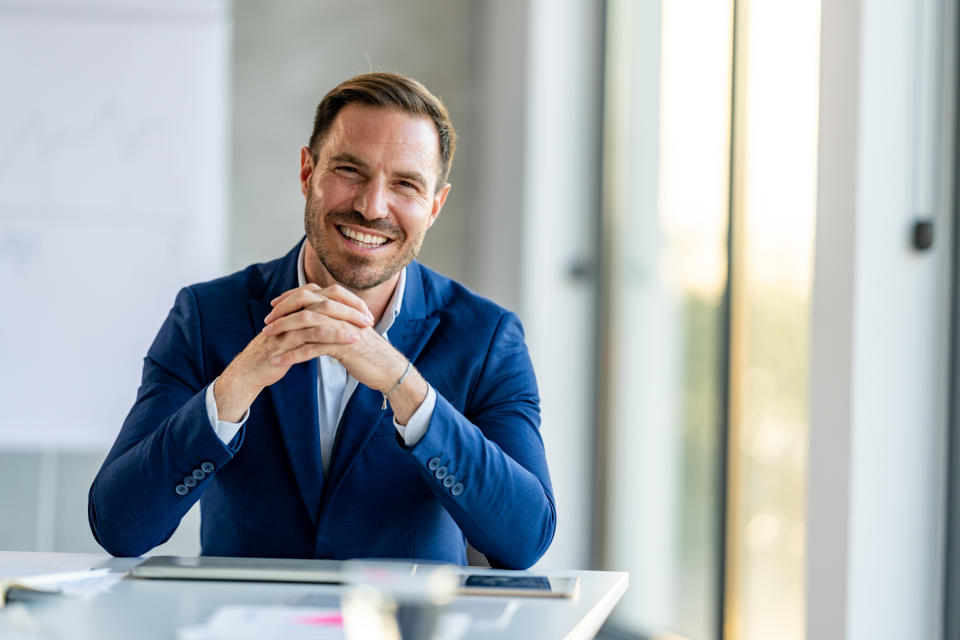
<point x="371" y="200"/>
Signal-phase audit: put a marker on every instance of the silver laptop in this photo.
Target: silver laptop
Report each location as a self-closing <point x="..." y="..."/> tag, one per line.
<point x="258" y="569"/>
<point x="391" y="574"/>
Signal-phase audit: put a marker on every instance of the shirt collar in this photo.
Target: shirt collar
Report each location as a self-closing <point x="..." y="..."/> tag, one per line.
<point x="393" y="307"/>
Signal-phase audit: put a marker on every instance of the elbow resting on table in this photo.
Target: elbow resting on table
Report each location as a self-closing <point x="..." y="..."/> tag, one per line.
<point x="524" y="552"/>
<point x="113" y="536"/>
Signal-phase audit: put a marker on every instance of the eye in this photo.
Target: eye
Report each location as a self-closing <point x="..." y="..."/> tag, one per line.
<point x="346" y="169"/>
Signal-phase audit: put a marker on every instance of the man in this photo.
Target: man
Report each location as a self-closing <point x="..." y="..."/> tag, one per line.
<point x="342" y="401"/>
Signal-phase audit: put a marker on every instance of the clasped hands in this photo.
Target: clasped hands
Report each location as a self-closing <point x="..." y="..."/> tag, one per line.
<point x="308" y="322"/>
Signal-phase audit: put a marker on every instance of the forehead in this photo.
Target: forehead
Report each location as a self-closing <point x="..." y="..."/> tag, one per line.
<point x="383" y="136"/>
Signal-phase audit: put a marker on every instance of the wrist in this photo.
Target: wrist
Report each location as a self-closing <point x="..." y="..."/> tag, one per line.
<point x="407" y="398"/>
<point x="233" y="396"/>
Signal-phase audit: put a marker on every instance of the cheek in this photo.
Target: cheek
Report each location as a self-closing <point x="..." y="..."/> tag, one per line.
<point x="415" y="222"/>
<point x="333" y="193"/>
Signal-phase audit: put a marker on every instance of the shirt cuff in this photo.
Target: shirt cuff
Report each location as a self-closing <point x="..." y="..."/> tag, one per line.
<point x="419" y="421"/>
<point x="224" y="430"/>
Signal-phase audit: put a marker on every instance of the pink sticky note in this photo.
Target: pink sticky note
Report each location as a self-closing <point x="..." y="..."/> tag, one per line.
<point x="334" y="620"/>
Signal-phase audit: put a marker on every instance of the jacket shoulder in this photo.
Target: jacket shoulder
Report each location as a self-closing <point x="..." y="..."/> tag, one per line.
<point x="447" y="295"/>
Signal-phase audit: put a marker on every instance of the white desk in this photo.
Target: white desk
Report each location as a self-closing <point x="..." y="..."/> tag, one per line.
<point x="145" y="609"/>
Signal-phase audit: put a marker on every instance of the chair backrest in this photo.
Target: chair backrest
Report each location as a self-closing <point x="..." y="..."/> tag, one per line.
<point x="475" y="558"/>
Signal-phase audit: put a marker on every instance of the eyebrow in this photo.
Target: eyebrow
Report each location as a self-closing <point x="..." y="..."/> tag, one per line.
<point x="414" y="176"/>
<point x="348" y="157"/>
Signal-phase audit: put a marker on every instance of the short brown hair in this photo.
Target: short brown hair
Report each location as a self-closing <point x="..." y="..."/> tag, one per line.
<point x="392" y="91"/>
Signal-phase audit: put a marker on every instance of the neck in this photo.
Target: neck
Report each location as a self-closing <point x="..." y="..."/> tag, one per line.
<point x="376" y="298"/>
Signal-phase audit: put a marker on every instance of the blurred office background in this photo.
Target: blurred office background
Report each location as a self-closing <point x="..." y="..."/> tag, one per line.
<point x="710" y="214"/>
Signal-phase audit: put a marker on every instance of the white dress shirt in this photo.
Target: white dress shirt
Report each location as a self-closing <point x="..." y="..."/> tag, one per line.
<point x="335" y="387"/>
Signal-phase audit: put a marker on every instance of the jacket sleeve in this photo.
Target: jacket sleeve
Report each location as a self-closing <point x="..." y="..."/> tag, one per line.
<point x="140" y="494"/>
<point x="500" y="493"/>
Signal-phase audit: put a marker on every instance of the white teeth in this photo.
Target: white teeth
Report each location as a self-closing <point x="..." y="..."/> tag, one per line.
<point x="364" y="239"/>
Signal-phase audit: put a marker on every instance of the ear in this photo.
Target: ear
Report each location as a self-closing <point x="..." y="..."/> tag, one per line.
<point x="438" y="199"/>
<point x="306" y="170"/>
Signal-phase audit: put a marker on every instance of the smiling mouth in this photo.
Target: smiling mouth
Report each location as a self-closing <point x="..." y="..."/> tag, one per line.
<point x="364" y="240"/>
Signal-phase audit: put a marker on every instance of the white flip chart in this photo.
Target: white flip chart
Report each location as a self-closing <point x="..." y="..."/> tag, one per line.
<point x="113" y="165"/>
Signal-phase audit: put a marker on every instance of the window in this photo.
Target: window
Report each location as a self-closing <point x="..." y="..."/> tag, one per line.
<point x="703" y="402"/>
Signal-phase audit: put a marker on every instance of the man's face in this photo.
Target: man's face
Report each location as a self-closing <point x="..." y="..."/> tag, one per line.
<point x="371" y="194"/>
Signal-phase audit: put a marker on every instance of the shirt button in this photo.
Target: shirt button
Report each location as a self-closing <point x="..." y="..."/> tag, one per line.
<point x="182" y="489"/>
<point x="207" y="467"/>
<point x="434" y="464"/>
<point x="448" y="481"/>
<point x="198" y="474"/>
<point x="456" y="489"/>
<point x="190" y="481"/>
<point x="441" y="473"/>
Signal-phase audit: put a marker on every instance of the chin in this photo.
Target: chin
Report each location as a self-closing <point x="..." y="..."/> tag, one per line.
<point x="359" y="279"/>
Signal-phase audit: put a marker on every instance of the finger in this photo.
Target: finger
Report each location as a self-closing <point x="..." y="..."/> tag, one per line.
<point x="307" y="294"/>
<point x="349" y="298"/>
<point x="310" y="286"/>
<point x="321" y="336"/>
<point x="312" y="326"/>
<point x="317" y="314"/>
<point x="294" y="300"/>
<point x="334" y="301"/>
<point x="302" y="353"/>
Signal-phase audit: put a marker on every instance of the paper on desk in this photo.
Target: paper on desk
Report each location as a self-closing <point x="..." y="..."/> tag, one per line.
<point x="256" y="623"/>
<point x="74" y="583"/>
<point x="295" y="623"/>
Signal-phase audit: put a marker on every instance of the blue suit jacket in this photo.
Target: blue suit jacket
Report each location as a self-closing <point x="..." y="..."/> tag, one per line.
<point x="266" y="494"/>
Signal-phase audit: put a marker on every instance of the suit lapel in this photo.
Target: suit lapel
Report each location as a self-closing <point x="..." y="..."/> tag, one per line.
<point x="294" y="397"/>
<point x="409" y="334"/>
<point x="295" y="404"/>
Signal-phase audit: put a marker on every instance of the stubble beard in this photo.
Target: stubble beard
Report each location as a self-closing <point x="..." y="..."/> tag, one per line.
<point x="356" y="272"/>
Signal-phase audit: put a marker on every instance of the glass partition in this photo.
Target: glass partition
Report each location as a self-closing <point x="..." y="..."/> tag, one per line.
<point x="773" y="215"/>
<point x="709" y="205"/>
<point x="666" y="185"/>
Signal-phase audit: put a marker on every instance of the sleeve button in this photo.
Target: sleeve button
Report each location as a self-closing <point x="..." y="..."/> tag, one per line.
<point x="434" y="464"/>
<point x="190" y="481"/>
<point x="456" y="489"/>
<point x="448" y="481"/>
<point x="182" y="489"/>
<point x="198" y="474"/>
<point x="441" y="473"/>
<point x="207" y="467"/>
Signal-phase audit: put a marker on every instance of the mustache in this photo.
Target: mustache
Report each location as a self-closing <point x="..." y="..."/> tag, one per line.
<point x="355" y="218"/>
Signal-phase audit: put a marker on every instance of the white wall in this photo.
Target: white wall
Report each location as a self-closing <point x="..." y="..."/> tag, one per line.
<point x="879" y="370"/>
<point x="560" y="213"/>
